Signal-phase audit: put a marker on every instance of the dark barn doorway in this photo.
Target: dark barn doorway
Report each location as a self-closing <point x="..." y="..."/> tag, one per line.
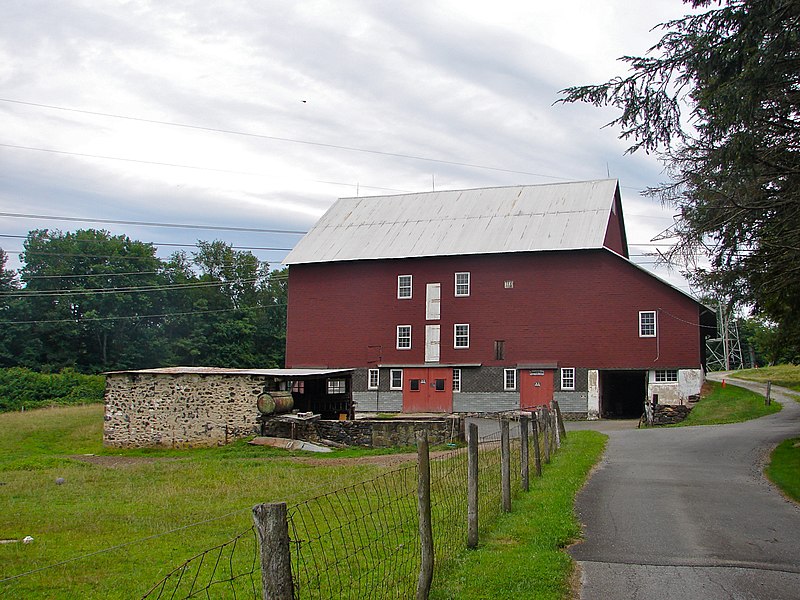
<point x="623" y="394"/>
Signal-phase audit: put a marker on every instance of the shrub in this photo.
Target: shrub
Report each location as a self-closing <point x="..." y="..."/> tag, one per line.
<point x="22" y="388"/>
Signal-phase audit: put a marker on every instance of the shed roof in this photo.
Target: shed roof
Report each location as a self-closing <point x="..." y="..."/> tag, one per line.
<point x="560" y="216"/>
<point x="284" y="373"/>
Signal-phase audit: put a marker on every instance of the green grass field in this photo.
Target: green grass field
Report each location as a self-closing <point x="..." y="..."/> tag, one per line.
<point x="729" y="404"/>
<point x="784" y="467"/>
<point x="122" y="520"/>
<point x="787" y="376"/>
<point x="124" y="497"/>
<point x="523" y="555"/>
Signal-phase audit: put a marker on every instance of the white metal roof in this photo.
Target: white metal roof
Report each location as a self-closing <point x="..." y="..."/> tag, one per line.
<point x="286" y="373"/>
<point x="559" y="216"/>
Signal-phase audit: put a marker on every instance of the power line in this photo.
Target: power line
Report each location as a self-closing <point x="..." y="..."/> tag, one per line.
<point x="278" y="139"/>
<point x="183" y="166"/>
<point x="124" y="290"/>
<point x="122" y="318"/>
<point x="150" y="223"/>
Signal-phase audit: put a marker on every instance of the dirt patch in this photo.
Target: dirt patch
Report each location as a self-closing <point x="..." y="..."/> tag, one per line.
<point x="116" y="462"/>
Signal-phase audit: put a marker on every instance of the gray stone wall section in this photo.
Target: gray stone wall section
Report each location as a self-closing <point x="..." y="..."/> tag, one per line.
<point x="164" y="410"/>
<point x="381" y="402"/>
<point x="572" y="402"/>
<point x="483" y="379"/>
<point x="369" y="433"/>
<point x="467" y="402"/>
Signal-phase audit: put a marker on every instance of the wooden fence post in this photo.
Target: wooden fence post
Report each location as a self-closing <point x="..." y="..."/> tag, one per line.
<point x="767" y="399"/>
<point x="472" y="486"/>
<point x="424" y="510"/>
<point x="561" y="427"/>
<point x="556" y="431"/>
<point x="523" y="452"/>
<point x="276" y="559"/>
<point x="546" y="433"/>
<point x="537" y="455"/>
<point x="505" y="464"/>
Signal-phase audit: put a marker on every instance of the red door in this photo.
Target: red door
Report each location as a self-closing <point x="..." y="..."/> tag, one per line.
<point x="536" y="388"/>
<point x="428" y="390"/>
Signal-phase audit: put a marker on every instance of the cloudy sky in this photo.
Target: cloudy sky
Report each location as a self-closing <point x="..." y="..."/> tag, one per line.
<point x="260" y="114"/>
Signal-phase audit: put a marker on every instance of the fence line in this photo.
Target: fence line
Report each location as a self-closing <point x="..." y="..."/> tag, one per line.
<point x="363" y="540"/>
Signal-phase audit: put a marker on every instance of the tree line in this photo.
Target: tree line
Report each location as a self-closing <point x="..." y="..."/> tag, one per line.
<point x="717" y="99"/>
<point x="92" y="301"/>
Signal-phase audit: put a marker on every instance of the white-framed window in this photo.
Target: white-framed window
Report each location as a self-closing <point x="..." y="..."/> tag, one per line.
<point x="373" y="379"/>
<point x="396" y="379"/>
<point x="404" y="337"/>
<point x="647" y="323"/>
<point x="404" y="286"/>
<point x="336" y="386"/>
<point x="666" y="376"/>
<point x="462" y="284"/>
<point x="461" y="335"/>
<point x="568" y="378"/>
<point x="508" y="284"/>
<point x="509" y="379"/>
<point x="456" y="380"/>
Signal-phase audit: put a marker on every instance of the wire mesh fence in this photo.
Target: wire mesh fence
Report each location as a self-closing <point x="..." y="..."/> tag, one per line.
<point x="363" y="541"/>
<point x="229" y="570"/>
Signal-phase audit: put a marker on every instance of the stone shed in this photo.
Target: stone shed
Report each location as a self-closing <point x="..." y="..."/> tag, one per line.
<point x="207" y="406"/>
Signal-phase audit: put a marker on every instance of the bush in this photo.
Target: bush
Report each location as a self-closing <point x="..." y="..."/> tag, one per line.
<point x="22" y="388"/>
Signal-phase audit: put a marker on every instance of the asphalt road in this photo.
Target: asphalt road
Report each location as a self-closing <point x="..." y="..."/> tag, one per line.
<point x="686" y="513"/>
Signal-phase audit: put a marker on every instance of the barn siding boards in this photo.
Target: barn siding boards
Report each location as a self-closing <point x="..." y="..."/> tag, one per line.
<point x="579" y="307"/>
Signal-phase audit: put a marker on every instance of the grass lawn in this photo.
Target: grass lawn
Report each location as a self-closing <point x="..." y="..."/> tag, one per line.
<point x="729" y="404"/>
<point x="523" y="555"/>
<point x="123" y="519"/>
<point x="787" y="376"/>
<point x="126" y="496"/>
<point x="784" y="467"/>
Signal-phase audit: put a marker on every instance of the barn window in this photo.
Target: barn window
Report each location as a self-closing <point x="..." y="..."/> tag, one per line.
<point x="647" y="323"/>
<point x="336" y="386"/>
<point x="568" y="378"/>
<point x="373" y="379"/>
<point x="404" y="286"/>
<point x="413" y="385"/>
<point x="456" y="380"/>
<point x="461" y="335"/>
<point x="462" y="284"/>
<point x="667" y="376"/>
<point x="510" y="379"/>
<point x="404" y="337"/>
<point x="396" y="379"/>
<point x="499" y="350"/>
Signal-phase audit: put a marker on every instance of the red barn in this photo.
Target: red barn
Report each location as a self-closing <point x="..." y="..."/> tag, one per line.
<point x="491" y="299"/>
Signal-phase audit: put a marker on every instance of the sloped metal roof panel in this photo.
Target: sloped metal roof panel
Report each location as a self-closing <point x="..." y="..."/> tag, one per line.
<point x="562" y="216"/>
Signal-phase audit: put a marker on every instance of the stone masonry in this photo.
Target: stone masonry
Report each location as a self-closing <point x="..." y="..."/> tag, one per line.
<point x="179" y="410"/>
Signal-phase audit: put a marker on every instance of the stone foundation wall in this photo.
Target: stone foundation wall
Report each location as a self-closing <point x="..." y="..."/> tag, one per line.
<point x="165" y="410"/>
<point x="367" y="433"/>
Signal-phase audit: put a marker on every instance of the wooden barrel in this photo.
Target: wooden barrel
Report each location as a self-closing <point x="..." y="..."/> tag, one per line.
<point x="275" y="402"/>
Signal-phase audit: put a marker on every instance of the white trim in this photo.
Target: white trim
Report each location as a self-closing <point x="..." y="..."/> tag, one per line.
<point x="392" y="373"/>
<point x="409" y="287"/>
<point x="370" y="373"/>
<point x="506" y="373"/>
<point x="467" y="284"/>
<point x="654" y="324"/>
<point x="456" y="336"/>
<point x="404" y="337"/>
<point x="564" y="371"/>
<point x="456" y="381"/>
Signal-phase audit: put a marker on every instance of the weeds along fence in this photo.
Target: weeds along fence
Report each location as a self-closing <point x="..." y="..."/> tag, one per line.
<point x="381" y="538"/>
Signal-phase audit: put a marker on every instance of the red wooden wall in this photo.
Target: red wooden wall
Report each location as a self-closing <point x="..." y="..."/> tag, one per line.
<point x="577" y="308"/>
